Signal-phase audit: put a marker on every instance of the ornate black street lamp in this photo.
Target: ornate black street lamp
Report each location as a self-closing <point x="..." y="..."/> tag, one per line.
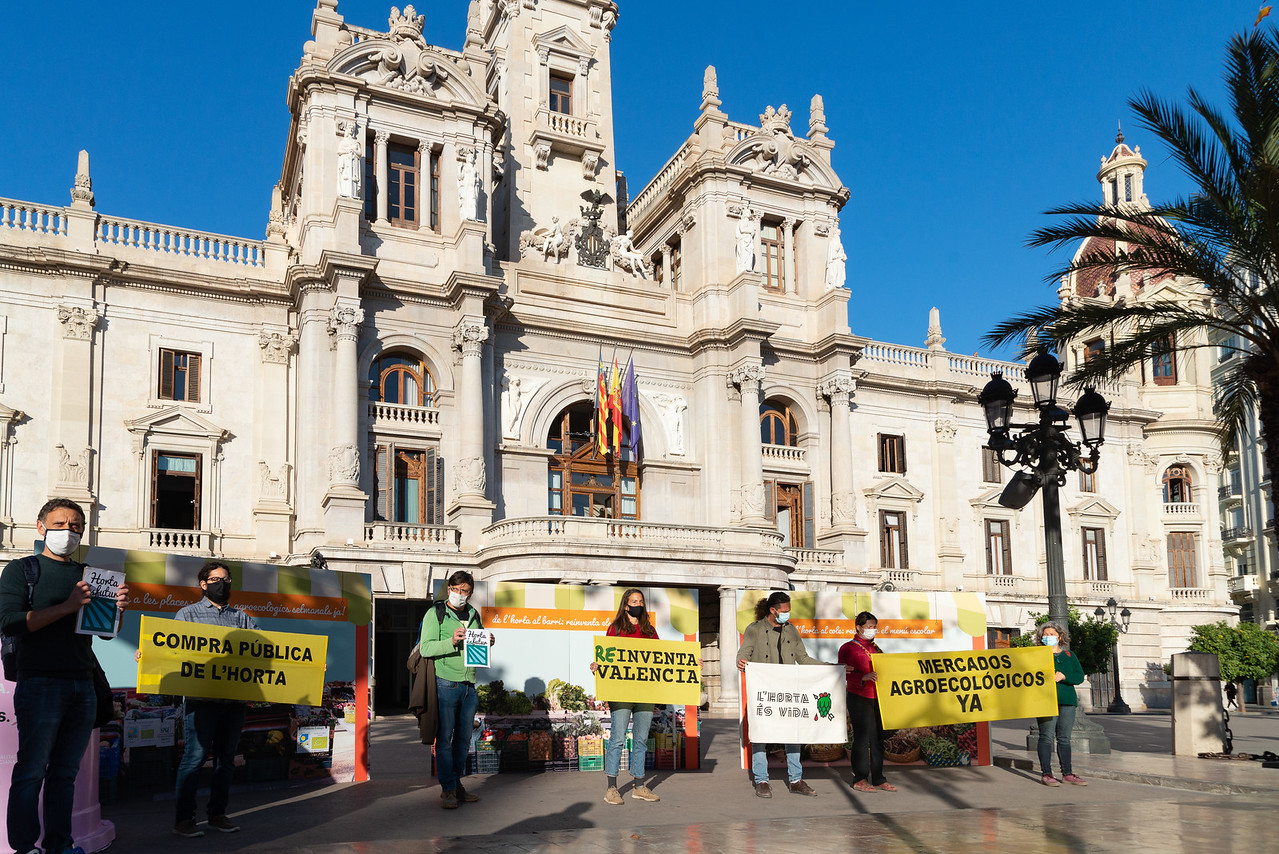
<point x="1117" y="705"/>
<point x="1043" y="454"/>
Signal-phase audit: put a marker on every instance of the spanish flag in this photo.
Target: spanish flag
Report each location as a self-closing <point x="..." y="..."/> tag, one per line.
<point x="615" y="407"/>
<point x="601" y="409"/>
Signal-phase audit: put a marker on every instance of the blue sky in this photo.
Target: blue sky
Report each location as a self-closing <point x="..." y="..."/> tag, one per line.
<point x="955" y="124"/>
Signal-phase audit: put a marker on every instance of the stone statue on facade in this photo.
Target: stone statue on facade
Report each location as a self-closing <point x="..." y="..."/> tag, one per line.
<point x="468" y="186"/>
<point x="835" y="258"/>
<point x="553" y="243"/>
<point x="350" y="163"/>
<point x="747" y="231"/>
<point x="625" y="257"/>
<point x="512" y="403"/>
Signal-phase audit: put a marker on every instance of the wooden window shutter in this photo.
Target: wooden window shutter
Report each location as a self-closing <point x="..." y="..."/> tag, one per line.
<point x="1007" y="542"/>
<point x="195" y="498"/>
<point x="883" y="539"/>
<point x="879" y="441"/>
<point x="434" y="487"/>
<point x="770" y="500"/>
<point x="990" y="557"/>
<point x="810" y="535"/>
<point x="193" y="377"/>
<point x="1101" y="555"/>
<point x="155" y="490"/>
<point x="901" y="458"/>
<point x="166" y="375"/>
<point x="381" y="484"/>
<point x="901" y="523"/>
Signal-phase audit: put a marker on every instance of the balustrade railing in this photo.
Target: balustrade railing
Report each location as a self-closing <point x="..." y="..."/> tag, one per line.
<point x="659" y="185"/>
<point x="817" y="557"/>
<point x="784" y="453"/>
<point x="1190" y="594"/>
<point x="404" y="534"/>
<point x="32" y="218"/>
<point x="567" y="125"/>
<point x="169" y="540"/>
<point x="1181" y="508"/>
<point x="396" y="413"/>
<point x="581" y="529"/>
<point x="167" y="240"/>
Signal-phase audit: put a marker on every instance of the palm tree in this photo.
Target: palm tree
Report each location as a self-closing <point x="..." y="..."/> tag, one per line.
<point x="1224" y="239"/>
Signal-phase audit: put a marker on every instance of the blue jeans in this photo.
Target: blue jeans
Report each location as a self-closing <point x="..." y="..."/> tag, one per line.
<point x="759" y="763"/>
<point x="458" y="703"/>
<point x="640" y="715"/>
<point x="1058" y="727"/>
<point x="55" y="720"/>
<point x="212" y="729"/>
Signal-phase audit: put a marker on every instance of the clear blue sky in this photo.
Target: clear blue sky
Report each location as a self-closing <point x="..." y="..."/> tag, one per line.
<point x="956" y="124"/>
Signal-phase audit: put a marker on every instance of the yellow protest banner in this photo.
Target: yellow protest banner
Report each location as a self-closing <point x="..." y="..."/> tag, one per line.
<point x="213" y="662"/>
<point x="639" y="670"/>
<point x="933" y="688"/>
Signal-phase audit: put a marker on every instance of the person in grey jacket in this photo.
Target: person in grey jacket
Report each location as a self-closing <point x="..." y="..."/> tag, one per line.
<point x="772" y="640"/>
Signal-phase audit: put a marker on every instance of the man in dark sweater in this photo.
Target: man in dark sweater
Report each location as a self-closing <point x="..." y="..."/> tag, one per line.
<point x="54" y="701"/>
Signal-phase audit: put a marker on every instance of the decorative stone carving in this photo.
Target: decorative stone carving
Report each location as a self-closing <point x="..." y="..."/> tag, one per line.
<point x="746" y="374"/>
<point x="549" y="242"/>
<point x="747" y="231"/>
<point x="837" y="388"/>
<point x="468" y="185"/>
<point x="591" y="243"/>
<point x="946" y="429"/>
<point x="274" y="485"/>
<point x="406" y="26"/>
<point x="685" y="225"/>
<point x="469" y="337"/>
<point x="843" y="507"/>
<point x="276" y="347"/>
<point x="672" y="408"/>
<point x="542" y="156"/>
<point x="751" y="500"/>
<point x="816" y="117"/>
<point x="345" y="320"/>
<point x="710" y="84"/>
<point x="82" y="191"/>
<point x="1213" y="464"/>
<point x="779" y="153"/>
<point x="835" y="258"/>
<point x="344" y="465"/>
<point x="935" y="339"/>
<point x="381" y="137"/>
<point x="624" y="255"/>
<point x="77" y="322"/>
<point x="350" y="162"/>
<point x="590" y="165"/>
<point x="73" y="471"/>
<point x="583" y="65"/>
<point x="821" y="229"/>
<point x="469" y="477"/>
<point x="610" y="21"/>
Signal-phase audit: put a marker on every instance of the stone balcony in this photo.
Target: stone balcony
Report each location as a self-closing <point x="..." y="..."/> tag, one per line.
<point x="176" y="540"/>
<point x="785" y="457"/>
<point x="1182" y="510"/>
<point x="1244" y="586"/>
<point x="395" y="418"/>
<point x="400" y="535"/>
<point x="1237" y="536"/>
<point x="577" y="549"/>
<point x="570" y="135"/>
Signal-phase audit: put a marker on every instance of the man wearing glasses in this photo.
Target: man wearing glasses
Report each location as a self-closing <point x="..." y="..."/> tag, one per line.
<point x="212" y="727"/>
<point x="54" y="701"/>
<point x="442" y="639"/>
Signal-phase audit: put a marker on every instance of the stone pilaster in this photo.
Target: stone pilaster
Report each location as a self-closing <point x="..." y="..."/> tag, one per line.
<point x="750" y="503"/>
<point x="470" y="509"/>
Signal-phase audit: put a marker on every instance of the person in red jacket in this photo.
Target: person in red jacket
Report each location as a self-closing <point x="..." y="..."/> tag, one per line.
<point x="631" y="621"/>
<point x="863" y="707"/>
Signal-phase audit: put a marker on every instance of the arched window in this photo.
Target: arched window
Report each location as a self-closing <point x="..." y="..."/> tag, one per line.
<point x="403" y="378"/>
<point x="581" y="482"/>
<point x="1177" y="488"/>
<point x="777" y="425"/>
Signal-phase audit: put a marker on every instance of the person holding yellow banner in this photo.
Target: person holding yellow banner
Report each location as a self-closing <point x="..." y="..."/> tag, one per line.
<point x="631" y="621"/>
<point x="1068" y="674"/>
<point x="867" y="755"/>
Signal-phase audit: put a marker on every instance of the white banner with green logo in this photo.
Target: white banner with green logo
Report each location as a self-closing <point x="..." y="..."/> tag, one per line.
<point x="796" y="703"/>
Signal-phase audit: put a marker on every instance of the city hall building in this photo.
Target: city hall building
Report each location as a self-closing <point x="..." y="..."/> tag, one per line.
<point x="401" y="377"/>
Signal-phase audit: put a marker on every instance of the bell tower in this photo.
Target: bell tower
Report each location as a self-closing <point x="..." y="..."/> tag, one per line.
<point x="1121" y="175"/>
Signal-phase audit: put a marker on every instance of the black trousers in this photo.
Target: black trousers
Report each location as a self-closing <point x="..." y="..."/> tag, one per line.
<point x="868" y="739"/>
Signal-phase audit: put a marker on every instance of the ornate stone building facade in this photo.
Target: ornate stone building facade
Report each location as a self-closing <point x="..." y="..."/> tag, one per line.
<point x="399" y="379"/>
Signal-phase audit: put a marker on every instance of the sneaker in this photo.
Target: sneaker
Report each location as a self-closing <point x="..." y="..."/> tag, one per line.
<point x="187" y="827"/>
<point x="864" y="786"/>
<point x="763" y="790"/>
<point x="800" y="787"/>
<point x="1074" y="781"/>
<point x="644" y="793"/>
<point x="886" y="787"/>
<point x="464" y="796"/>
<point x="448" y="799"/>
<point x="613" y="796"/>
<point x="224" y="824"/>
<point x="1049" y="780"/>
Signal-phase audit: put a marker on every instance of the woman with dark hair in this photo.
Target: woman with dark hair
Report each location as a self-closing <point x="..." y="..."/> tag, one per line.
<point x="631" y="621"/>
<point x="863" y="707"/>
<point x="772" y="640"/>
<point x="1068" y="674"/>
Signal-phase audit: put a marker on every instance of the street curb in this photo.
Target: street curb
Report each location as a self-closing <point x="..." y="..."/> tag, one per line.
<point x="1161" y="780"/>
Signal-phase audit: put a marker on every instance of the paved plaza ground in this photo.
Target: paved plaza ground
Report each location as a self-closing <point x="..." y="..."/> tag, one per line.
<point x="1140" y="799"/>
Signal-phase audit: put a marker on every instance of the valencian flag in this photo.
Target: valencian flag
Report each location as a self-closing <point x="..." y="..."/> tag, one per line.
<point x="601" y="408"/>
<point x="630" y="406"/>
<point x="615" y="407"/>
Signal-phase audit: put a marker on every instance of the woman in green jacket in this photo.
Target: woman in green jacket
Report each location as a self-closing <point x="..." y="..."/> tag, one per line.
<point x="1068" y="674"/>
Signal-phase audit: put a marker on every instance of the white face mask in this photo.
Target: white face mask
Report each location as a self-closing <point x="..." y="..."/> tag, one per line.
<point x="1050" y="640"/>
<point x="869" y="634"/>
<point x="457" y="600"/>
<point x="61" y="541"/>
<point x="783" y="617"/>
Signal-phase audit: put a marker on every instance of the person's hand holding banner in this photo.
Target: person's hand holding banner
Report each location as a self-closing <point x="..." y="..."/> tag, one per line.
<point x="935" y="688"/>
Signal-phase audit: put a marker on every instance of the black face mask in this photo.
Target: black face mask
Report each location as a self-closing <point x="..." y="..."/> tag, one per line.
<point x="635" y="611"/>
<point x="219" y="591"/>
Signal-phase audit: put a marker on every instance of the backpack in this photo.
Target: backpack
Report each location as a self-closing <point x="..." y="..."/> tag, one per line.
<point x="9" y="643"/>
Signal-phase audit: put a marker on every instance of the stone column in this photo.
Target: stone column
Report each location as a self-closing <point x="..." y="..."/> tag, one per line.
<point x="470" y="509"/>
<point x="751" y="500"/>
<point x="788" y="247"/>
<point x="729" y="678"/>
<point x="344" y="501"/>
<point x="424" y="149"/>
<point x="950" y="551"/>
<point x="273" y="511"/>
<point x="383" y="174"/>
<point x="72" y="401"/>
<point x="843" y="500"/>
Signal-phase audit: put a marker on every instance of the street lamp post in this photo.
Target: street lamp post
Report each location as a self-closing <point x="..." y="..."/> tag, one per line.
<point x="1043" y="454"/>
<point x="1117" y="705"/>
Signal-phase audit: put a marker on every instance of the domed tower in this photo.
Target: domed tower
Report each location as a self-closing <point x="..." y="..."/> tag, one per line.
<point x="1121" y="175"/>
